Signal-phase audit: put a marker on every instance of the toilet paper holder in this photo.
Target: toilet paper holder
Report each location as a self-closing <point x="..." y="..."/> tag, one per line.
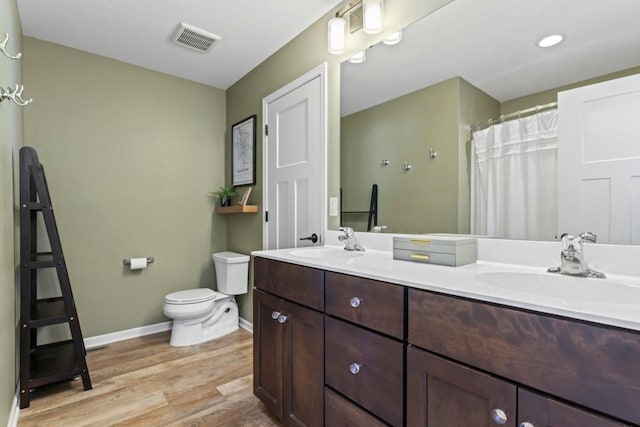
<point x="127" y="261"/>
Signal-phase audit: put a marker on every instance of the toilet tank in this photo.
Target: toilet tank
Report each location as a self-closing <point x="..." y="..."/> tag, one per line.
<point x="232" y="272"/>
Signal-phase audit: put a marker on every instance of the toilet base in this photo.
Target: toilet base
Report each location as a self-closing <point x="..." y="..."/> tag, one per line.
<point x="223" y="321"/>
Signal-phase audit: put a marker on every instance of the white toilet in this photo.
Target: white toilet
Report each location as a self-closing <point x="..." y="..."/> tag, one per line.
<point x="201" y="314"/>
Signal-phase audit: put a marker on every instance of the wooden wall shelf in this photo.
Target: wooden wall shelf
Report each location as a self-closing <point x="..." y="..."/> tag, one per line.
<point x="237" y="209"/>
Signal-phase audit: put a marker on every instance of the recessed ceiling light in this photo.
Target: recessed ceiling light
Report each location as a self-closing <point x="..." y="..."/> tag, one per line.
<point x="550" y="40"/>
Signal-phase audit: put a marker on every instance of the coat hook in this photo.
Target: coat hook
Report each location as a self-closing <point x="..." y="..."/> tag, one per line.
<point x="3" y="48"/>
<point x="15" y="95"/>
<point x="432" y="153"/>
<point x="406" y="167"/>
<point x="385" y="161"/>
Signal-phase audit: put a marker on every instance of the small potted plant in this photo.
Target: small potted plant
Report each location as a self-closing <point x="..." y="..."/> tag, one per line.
<point x="224" y="194"/>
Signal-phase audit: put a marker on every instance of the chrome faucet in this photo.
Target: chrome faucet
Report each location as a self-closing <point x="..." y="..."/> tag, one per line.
<point x="349" y="240"/>
<point x="572" y="257"/>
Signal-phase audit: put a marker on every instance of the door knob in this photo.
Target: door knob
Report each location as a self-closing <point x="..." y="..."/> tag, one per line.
<point x="354" y="368"/>
<point x="526" y="424"/>
<point x="282" y="318"/>
<point x="313" y="238"/>
<point x="275" y="315"/>
<point x="355" y="302"/>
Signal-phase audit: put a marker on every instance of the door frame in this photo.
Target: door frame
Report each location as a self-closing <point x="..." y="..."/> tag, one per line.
<point x="321" y="72"/>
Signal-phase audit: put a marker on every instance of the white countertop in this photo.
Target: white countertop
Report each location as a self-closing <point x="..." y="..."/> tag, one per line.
<point x="613" y="301"/>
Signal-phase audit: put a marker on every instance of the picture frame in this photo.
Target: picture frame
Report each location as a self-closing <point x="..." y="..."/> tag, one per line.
<point x="243" y="152"/>
<point x="245" y="196"/>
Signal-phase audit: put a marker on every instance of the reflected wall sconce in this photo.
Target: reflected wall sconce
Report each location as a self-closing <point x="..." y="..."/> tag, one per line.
<point x="358" y="58"/>
<point x="366" y="14"/>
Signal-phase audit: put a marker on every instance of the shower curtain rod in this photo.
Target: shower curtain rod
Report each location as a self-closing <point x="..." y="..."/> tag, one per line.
<point x="517" y="114"/>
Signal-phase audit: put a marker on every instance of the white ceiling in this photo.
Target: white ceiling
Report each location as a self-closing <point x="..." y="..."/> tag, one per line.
<point x="492" y="45"/>
<point x="139" y="31"/>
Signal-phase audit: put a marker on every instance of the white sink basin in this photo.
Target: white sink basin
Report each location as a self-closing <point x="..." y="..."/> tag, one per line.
<point x="325" y="253"/>
<point x="572" y="291"/>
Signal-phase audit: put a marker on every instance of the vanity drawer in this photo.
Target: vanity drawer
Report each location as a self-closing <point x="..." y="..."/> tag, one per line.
<point x="339" y="412"/>
<point x="592" y="365"/>
<point x="366" y="367"/>
<point x="296" y="283"/>
<point x="376" y="305"/>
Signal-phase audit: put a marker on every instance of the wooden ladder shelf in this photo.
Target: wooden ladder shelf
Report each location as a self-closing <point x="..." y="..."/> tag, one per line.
<point x="57" y="361"/>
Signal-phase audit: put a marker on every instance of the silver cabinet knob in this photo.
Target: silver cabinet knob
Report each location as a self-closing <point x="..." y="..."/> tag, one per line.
<point x="282" y="318"/>
<point x="275" y="315"/>
<point x="354" y="368"/>
<point x="499" y="416"/>
<point x="526" y="424"/>
<point x="355" y="302"/>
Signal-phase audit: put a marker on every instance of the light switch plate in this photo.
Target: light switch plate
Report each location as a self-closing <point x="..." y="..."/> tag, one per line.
<point x="333" y="206"/>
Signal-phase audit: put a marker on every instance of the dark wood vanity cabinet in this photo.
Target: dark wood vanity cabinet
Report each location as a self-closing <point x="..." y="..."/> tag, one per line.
<point x="590" y="365"/>
<point x="338" y="350"/>
<point x="289" y="351"/>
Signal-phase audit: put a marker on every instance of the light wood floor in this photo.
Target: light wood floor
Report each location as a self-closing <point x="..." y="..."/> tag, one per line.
<point x="146" y="382"/>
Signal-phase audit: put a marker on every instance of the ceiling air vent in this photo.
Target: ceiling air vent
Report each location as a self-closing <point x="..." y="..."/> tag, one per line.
<point x="195" y="38"/>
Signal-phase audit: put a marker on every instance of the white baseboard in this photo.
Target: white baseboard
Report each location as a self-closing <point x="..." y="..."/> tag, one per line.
<point x="101" y="340"/>
<point x="246" y="325"/>
<point x="15" y="411"/>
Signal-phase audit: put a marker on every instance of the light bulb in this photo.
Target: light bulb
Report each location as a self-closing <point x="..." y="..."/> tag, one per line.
<point x="358" y="58"/>
<point x="372" y="11"/>
<point x="335" y="35"/>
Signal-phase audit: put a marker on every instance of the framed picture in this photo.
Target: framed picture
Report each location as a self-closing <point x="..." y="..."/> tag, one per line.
<point x="243" y="152"/>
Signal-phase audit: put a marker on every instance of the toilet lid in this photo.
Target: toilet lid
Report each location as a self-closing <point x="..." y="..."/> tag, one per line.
<point x="191" y="296"/>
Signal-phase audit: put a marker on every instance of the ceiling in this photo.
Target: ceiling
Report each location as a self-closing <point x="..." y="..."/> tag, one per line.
<point x="139" y="31"/>
<point x="492" y="45"/>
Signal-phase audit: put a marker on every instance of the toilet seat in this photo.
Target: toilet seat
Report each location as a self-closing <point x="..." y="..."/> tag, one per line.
<point x="193" y="296"/>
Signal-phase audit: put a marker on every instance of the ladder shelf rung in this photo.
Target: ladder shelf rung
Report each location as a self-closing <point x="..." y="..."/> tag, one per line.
<point x="42" y="260"/>
<point x="52" y="363"/>
<point x="47" y="312"/>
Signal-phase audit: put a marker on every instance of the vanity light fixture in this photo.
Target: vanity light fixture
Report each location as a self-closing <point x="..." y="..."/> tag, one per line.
<point x="393" y="38"/>
<point x="335" y="42"/>
<point x="365" y="14"/>
<point x="551" y="40"/>
<point x="372" y="11"/>
<point x="358" y="58"/>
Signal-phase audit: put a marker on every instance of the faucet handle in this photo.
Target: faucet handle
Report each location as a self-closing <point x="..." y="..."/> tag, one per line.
<point x="588" y="236"/>
<point x="348" y="231"/>
<point x="567" y="240"/>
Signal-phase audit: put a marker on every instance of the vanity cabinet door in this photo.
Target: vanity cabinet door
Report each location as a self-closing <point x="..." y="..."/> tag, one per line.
<point x="441" y="393"/>
<point x="288" y="364"/>
<point x="535" y="410"/>
<point x="303" y="366"/>
<point x="267" y="351"/>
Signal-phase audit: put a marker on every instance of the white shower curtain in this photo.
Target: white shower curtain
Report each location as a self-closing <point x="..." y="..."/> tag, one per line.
<point x="514" y="178"/>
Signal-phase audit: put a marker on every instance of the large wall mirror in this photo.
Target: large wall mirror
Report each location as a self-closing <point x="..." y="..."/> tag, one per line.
<point x="408" y="110"/>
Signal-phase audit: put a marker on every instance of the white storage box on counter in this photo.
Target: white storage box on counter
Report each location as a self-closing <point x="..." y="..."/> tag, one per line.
<point x="449" y="250"/>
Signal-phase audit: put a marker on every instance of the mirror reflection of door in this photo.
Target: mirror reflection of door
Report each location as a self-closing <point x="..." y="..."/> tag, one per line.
<point x="294" y="147"/>
<point x="599" y="161"/>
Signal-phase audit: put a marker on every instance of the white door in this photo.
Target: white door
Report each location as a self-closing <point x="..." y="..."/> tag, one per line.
<point x="294" y="162"/>
<point x="599" y="160"/>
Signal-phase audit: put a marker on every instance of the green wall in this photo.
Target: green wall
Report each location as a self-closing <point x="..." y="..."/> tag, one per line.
<point x="10" y="142"/>
<point x="434" y="195"/>
<point x="130" y="156"/>
<point x="305" y="52"/>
